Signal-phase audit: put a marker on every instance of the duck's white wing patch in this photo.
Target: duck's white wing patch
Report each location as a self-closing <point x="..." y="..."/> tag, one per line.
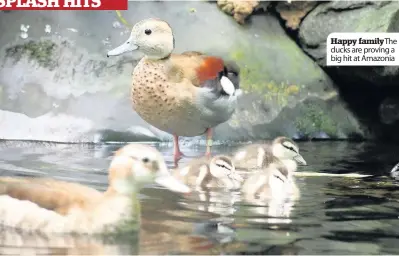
<point x="227" y="85"/>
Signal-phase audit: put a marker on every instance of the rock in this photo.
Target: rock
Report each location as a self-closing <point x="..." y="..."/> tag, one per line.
<point x="350" y="16"/>
<point x="367" y="90"/>
<point x="389" y="110"/>
<point x="293" y="12"/>
<point x="240" y="10"/>
<point x="59" y="86"/>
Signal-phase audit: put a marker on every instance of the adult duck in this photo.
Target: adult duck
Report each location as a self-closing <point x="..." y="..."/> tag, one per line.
<point x="184" y="94"/>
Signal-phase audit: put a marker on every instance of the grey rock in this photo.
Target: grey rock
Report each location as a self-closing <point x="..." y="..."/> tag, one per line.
<point x="294" y="12"/>
<point x="59" y="85"/>
<point x="389" y="110"/>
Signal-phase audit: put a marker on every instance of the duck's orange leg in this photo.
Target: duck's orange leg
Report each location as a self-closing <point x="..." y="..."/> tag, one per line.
<point x="177" y="154"/>
<point x="208" y="142"/>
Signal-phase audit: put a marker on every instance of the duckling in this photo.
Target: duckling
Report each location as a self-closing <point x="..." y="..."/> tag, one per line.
<point x="204" y="173"/>
<point x="274" y="190"/>
<point x="275" y="181"/>
<point x="184" y="94"/>
<point x="49" y="206"/>
<point x="258" y="156"/>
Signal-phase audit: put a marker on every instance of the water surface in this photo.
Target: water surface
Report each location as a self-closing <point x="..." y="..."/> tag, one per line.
<point x="332" y="215"/>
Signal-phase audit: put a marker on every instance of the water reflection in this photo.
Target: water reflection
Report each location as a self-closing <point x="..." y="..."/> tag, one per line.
<point x="218" y="201"/>
<point x="18" y="243"/>
<point x="331" y="216"/>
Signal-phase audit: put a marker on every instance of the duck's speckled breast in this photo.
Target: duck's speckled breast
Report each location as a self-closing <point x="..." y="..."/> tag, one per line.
<point x="166" y="105"/>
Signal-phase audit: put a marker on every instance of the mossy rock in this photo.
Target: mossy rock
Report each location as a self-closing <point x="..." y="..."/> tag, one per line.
<point x="38" y="51"/>
<point x="255" y="79"/>
<point x="315" y="119"/>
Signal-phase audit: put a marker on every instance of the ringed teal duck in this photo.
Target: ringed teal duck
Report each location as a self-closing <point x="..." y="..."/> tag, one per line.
<point x="207" y="173"/>
<point x="49" y="206"/>
<point x="184" y="94"/>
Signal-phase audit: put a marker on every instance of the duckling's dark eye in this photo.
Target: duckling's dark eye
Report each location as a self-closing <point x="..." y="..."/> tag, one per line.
<point x="290" y="148"/>
<point x="222" y="166"/>
<point x="148" y="32"/>
<point x="146" y="160"/>
<point x="278" y="177"/>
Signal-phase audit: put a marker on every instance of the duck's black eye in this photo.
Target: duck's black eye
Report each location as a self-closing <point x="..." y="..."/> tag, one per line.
<point x="148" y="32"/>
<point x="146" y="160"/>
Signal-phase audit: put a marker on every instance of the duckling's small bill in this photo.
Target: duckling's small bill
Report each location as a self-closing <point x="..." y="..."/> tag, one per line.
<point x="300" y="160"/>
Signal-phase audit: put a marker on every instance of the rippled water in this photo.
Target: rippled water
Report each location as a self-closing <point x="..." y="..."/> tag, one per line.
<point x="333" y="215"/>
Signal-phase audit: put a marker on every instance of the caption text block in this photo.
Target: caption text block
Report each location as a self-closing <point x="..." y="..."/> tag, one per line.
<point x="363" y="49"/>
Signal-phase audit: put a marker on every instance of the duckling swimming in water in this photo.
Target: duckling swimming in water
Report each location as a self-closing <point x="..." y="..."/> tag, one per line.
<point x="258" y="156"/>
<point x="273" y="192"/>
<point x="50" y="206"/>
<point x="272" y="182"/>
<point x="206" y="173"/>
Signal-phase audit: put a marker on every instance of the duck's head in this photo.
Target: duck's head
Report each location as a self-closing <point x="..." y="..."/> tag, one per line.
<point x="222" y="167"/>
<point x="286" y="149"/>
<point x="136" y="165"/>
<point x="277" y="180"/>
<point x="271" y="183"/>
<point x="153" y="37"/>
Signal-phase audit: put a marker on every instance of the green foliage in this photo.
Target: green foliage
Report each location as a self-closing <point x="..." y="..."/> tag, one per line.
<point x="314" y="119"/>
<point x="252" y="77"/>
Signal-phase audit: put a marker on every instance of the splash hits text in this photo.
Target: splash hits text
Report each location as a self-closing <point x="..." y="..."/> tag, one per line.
<point x="45" y="4"/>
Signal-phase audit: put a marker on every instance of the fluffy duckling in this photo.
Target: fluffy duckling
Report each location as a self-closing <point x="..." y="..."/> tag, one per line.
<point x="273" y="188"/>
<point x="258" y="156"/>
<point x="184" y="94"/>
<point x="51" y="206"/>
<point x="204" y="173"/>
<point x="272" y="192"/>
<point x="274" y="181"/>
